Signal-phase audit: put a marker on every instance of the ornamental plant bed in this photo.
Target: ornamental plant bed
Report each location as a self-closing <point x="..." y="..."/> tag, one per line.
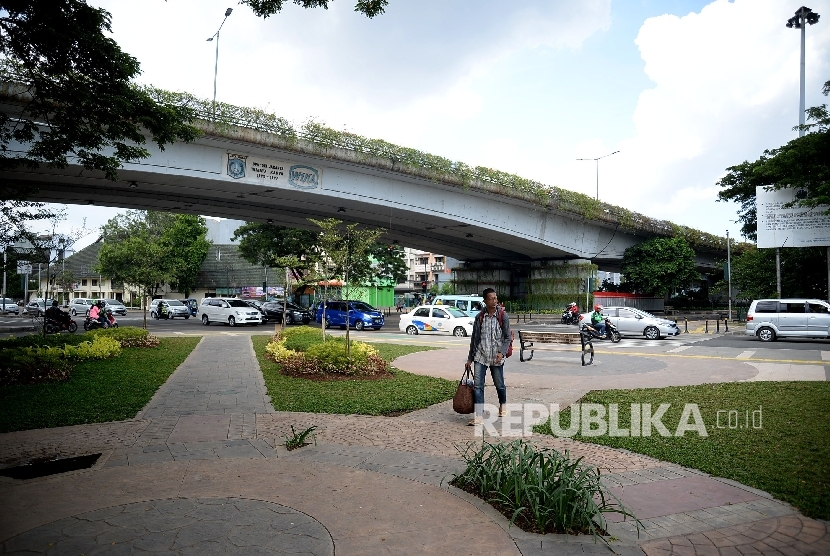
<point x="325" y="360"/>
<point x="539" y="489"/>
<point x="402" y="393"/>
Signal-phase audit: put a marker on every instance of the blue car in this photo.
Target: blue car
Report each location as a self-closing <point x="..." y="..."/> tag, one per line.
<point x="361" y="315"/>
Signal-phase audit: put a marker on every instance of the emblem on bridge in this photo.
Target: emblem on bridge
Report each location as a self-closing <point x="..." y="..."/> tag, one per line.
<point x="303" y="177"/>
<point x="236" y="166"/>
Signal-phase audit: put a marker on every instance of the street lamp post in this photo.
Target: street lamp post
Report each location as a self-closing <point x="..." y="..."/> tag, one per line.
<point x="597" y="161"/>
<point x="803" y="16"/>
<point x="216" y="63"/>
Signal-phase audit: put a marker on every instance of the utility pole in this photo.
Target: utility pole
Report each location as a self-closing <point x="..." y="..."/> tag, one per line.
<point x="729" y="272"/>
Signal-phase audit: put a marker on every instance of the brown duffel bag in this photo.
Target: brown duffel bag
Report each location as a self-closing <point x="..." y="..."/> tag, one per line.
<point x="463" y="401"/>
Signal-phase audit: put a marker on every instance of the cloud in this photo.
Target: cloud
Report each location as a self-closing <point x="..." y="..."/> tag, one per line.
<point x="725" y="89"/>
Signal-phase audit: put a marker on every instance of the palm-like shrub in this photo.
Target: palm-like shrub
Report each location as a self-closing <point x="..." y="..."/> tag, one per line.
<point x="539" y="489"/>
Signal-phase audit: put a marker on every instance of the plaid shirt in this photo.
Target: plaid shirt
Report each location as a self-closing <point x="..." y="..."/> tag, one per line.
<point x="491" y="339"/>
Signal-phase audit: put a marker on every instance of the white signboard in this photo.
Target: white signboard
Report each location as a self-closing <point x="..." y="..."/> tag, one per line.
<point x="23" y="267"/>
<point x="270" y="172"/>
<point x="790" y="227"/>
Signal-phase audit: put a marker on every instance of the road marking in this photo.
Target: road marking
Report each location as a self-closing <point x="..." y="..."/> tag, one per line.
<point x="678" y="349"/>
<point x="746" y="354"/>
<point x="825" y="355"/>
<point x="718" y="357"/>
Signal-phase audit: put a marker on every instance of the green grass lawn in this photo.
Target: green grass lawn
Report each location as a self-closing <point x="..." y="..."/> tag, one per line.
<point x="789" y="456"/>
<point x="404" y="392"/>
<point x="98" y="391"/>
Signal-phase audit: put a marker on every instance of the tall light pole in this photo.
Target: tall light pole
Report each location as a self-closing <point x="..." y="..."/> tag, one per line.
<point x="803" y="16"/>
<point x="597" y="161"/>
<point x="228" y="12"/>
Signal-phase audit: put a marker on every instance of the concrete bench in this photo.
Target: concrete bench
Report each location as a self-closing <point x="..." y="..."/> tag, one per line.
<point x="528" y="339"/>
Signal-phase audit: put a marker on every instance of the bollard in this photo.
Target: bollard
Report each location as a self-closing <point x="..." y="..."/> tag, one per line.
<point x="686" y="322"/>
<point x="707" y="327"/>
<point x="726" y="325"/>
<point x="717" y="326"/>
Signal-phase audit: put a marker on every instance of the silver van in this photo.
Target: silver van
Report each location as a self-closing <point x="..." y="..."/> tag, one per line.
<point x="770" y="318"/>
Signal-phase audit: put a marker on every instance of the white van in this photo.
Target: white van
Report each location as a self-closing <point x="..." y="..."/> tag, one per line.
<point x="470" y="304"/>
<point x="228" y="310"/>
<point x="770" y="318"/>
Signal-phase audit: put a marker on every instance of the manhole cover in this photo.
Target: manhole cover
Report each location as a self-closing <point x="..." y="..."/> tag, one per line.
<point x="180" y="526"/>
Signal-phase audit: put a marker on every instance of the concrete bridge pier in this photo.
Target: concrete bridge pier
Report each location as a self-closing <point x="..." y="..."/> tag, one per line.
<point x="541" y="284"/>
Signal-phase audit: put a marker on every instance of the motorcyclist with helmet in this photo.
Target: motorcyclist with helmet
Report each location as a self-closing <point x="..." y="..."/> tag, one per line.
<point x="54" y="313"/>
<point x="598" y="320"/>
<point x="97" y="313"/>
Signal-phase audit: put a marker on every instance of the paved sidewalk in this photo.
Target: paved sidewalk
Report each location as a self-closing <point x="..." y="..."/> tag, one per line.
<point x="201" y="470"/>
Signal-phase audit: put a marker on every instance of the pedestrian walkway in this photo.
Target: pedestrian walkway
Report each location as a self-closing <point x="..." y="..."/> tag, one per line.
<point x="202" y="470"/>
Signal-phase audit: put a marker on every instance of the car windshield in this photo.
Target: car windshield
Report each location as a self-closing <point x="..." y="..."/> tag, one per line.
<point x="363" y="307"/>
<point x="174" y="303"/>
<point x="455" y="312"/>
<point x="113" y="302"/>
<point x="237" y="303"/>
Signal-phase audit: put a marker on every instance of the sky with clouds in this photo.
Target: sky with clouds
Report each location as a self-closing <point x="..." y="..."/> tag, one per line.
<point x="682" y="88"/>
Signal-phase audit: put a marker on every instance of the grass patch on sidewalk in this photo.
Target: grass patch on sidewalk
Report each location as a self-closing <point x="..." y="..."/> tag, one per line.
<point x="401" y="393"/>
<point x="97" y="391"/>
<point x="788" y="457"/>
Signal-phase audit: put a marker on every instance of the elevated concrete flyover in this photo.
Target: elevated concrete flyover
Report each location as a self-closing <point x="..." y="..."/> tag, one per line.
<point x="254" y="175"/>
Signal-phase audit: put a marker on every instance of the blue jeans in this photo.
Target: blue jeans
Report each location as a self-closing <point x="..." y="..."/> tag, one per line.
<point x="600" y="328"/>
<point x="479" y="376"/>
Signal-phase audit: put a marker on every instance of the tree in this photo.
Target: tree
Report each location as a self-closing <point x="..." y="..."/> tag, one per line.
<point x="149" y="249"/>
<point x="76" y="93"/>
<point x="269" y="245"/>
<point x="803" y="273"/>
<point x="185" y="242"/>
<point x="802" y="163"/>
<point x="16" y="213"/>
<point x="383" y="263"/>
<point x="265" y="8"/>
<point x="346" y="247"/>
<point x="138" y="260"/>
<point x="660" y="265"/>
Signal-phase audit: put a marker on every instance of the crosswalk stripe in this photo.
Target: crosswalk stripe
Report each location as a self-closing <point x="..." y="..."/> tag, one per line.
<point x="746" y="354"/>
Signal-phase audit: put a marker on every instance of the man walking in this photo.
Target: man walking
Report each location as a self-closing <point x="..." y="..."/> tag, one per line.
<point x="488" y="348"/>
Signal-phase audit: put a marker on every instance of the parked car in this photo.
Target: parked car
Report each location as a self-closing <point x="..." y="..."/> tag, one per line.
<point x="636" y="322"/>
<point x="175" y="307"/>
<point x="360" y="315"/>
<point x="228" y="310"/>
<point x="441" y="319"/>
<point x="116" y="306"/>
<point x="770" y="318"/>
<point x="272" y="311"/>
<point x="37" y="307"/>
<point x="80" y="306"/>
<point x="8" y="306"/>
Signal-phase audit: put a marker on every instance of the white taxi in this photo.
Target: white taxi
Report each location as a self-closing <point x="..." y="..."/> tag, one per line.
<point x="437" y="319"/>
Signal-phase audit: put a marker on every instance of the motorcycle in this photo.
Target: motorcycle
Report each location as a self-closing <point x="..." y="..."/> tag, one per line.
<point x="92" y="324"/>
<point x="113" y="323"/>
<point x="569" y="317"/>
<point x="611" y="332"/>
<point x="54" y="327"/>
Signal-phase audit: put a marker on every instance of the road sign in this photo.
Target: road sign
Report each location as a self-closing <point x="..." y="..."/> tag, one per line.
<point x="24" y="267"/>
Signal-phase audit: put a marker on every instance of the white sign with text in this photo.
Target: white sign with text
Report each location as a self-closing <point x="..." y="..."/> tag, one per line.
<point x="274" y="173"/>
<point x="779" y="226"/>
